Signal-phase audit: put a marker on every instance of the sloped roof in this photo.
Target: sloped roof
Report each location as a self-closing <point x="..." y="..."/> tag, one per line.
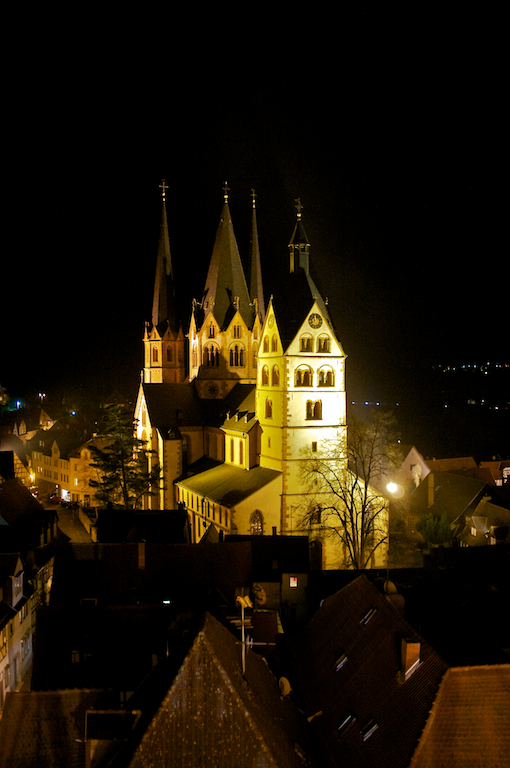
<point x="17" y="502"/>
<point x="454" y="495"/>
<point x="214" y="715"/>
<point x="228" y="485"/>
<point x="358" y="621"/>
<point x="451" y="465"/>
<point x="176" y="406"/>
<point x="469" y="724"/>
<point x="225" y="277"/>
<point x="45" y="729"/>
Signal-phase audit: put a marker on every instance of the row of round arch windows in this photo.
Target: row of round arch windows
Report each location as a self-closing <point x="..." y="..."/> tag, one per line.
<point x="303" y="376"/>
<point x="307" y="343"/>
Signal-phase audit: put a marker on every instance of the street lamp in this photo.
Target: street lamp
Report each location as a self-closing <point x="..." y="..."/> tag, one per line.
<point x="245" y="602"/>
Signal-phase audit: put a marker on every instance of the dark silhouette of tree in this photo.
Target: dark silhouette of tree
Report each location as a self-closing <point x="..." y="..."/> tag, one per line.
<point x="341" y="500"/>
<point x="435" y="529"/>
<point x="121" y="462"/>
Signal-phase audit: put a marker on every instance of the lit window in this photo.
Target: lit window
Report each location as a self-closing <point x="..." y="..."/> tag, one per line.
<point x="256" y="523"/>
<point x="293" y="582"/>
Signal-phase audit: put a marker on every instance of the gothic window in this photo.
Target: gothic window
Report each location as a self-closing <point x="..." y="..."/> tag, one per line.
<point x="314" y="409"/>
<point x="254" y="353"/>
<point x="212" y="331"/>
<point x="237" y="356"/>
<point x="236" y="330"/>
<point x="304" y="377"/>
<point x="275" y="376"/>
<point x="211" y="356"/>
<point x="256" y="523"/>
<point x="266" y="344"/>
<point x="269" y="409"/>
<point x="306" y="344"/>
<point x="274" y="343"/>
<point x="194" y="356"/>
<point x="265" y="376"/>
<point x="154" y="354"/>
<point x="326" y="377"/>
<point x="323" y="344"/>
<point x="169" y="354"/>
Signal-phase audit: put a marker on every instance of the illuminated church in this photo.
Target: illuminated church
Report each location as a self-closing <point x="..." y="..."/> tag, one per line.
<point x="262" y="386"/>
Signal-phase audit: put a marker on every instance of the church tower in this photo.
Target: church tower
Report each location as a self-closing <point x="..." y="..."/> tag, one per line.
<point x="164" y="353"/>
<point x="225" y="324"/>
<point x="301" y="399"/>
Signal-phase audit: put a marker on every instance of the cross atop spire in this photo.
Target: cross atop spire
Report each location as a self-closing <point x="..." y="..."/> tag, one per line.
<point x="163" y="187"/>
<point x="226" y="190"/>
<point x="299" y="207"/>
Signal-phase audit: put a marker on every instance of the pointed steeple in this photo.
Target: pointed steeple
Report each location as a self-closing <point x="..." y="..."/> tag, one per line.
<point x="256" y="289"/>
<point x="299" y="246"/>
<point x="163" y="304"/>
<point x="225" y="287"/>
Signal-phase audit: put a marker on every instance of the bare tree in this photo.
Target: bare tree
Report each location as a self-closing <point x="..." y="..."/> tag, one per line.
<point x="341" y="479"/>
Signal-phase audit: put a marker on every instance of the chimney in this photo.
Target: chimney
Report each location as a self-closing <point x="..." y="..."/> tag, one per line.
<point x="430" y="489"/>
<point x="410" y="657"/>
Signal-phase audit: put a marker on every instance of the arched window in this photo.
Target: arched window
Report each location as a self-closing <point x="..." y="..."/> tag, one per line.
<point x="212" y="331"/>
<point x="323" y="344"/>
<point x="255" y="349"/>
<point x="306" y="343"/>
<point x="266" y="344"/>
<point x="275" y="376"/>
<point x="237" y="356"/>
<point x="326" y="377"/>
<point x="303" y="377"/>
<point x="169" y="354"/>
<point x="314" y="409"/>
<point x="211" y="356"/>
<point x="269" y="409"/>
<point x="154" y="354"/>
<point x="265" y="376"/>
<point x="274" y="343"/>
<point x="256" y="523"/>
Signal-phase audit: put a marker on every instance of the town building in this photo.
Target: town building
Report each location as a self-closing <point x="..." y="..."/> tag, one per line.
<point x="264" y="391"/>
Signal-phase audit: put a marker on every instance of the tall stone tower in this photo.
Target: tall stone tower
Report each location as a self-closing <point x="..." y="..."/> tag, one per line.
<point x="164" y="342"/>
<point x="300" y="398"/>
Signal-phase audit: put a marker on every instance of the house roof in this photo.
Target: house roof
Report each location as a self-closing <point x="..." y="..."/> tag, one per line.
<point x="451" y="465"/>
<point x="347" y="665"/>
<point x="469" y="723"/>
<point x="211" y="707"/>
<point x="453" y="495"/>
<point x="16" y="501"/>
<point x="228" y="485"/>
<point x="43" y="729"/>
<point x="177" y="406"/>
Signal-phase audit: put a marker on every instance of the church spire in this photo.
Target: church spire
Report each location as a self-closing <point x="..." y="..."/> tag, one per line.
<point x="299" y="246"/>
<point x="163" y="304"/>
<point x="256" y="289"/>
<point x="225" y="287"/>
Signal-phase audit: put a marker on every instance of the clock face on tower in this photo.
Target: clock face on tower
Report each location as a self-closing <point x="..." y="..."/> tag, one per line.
<point x="212" y="390"/>
<point x="315" y="320"/>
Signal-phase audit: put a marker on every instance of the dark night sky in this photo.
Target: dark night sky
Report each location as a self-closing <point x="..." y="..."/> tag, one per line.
<point x="389" y="128"/>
